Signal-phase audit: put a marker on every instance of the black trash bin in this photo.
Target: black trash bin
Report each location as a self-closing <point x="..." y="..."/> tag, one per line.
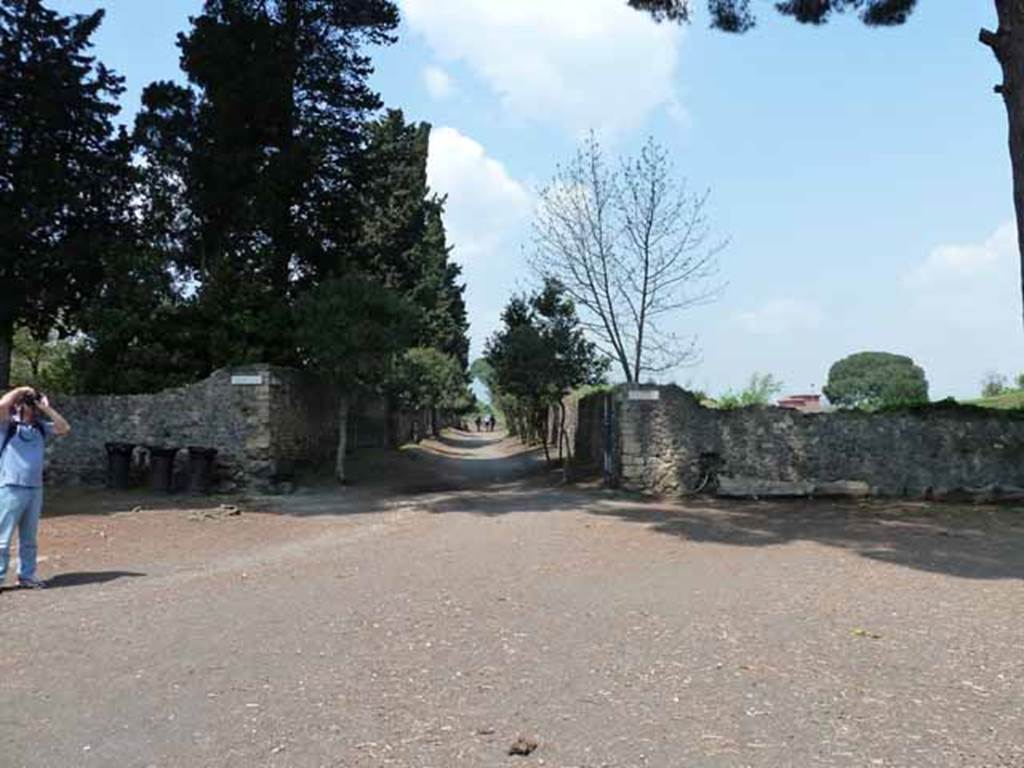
<point x="161" y="469"/>
<point x="200" y="469"/>
<point x="119" y="464"/>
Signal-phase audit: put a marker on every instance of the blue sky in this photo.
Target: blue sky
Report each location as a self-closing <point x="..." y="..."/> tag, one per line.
<point x="861" y="175"/>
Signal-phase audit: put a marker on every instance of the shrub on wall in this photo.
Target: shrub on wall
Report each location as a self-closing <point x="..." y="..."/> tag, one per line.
<point x="759" y="391"/>
<point x="994" y="384"/>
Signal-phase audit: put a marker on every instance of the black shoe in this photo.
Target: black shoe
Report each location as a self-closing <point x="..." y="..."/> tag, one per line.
<point x="31" y="584"/>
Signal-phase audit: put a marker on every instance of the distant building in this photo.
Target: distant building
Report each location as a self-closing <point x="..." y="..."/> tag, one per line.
<point x="802" y="403"/>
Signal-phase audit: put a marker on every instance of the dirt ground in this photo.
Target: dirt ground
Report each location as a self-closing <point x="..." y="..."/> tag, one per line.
<point x="456" y="597"/>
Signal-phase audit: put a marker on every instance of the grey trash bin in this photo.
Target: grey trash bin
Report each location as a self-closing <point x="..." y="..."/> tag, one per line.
<point x="119" y="464"/>
<point x="200" y="469"/>
<point x="161" y="469"/>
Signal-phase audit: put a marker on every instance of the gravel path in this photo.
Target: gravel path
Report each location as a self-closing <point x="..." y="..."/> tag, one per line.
<point x="485" y="604"/>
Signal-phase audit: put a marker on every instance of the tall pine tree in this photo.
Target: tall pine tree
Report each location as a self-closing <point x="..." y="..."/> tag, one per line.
<point x="62" y="168"/>
<point x="261" y="151"/>
<point x="402" y="236"/>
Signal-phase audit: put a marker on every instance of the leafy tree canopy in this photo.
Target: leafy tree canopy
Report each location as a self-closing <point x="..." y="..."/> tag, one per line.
<point x="759" y="391"/>
<point x="45" y="363"/>
<point x="541" y="354"/>
<point x="993" y="384"/>
<point x="351" y="328"/>
<point x="874" y="380"/>
<point x="425" y="377"/>
<point x="141" y="334"/>
<point x="61" y="167"/>
<point x="251" y="173"/>
<point x="402" y="236"/>
<point x="537" y="358"/>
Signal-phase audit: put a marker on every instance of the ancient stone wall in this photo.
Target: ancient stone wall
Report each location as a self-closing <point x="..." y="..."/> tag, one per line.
<point x="585" y="428"/>
<point x="264" y="421"/>
<point x="669" y="443"/>
<point x="408" y="427"/>
<point x="369" y="423"/>
<point x="303" y="421"/>
<point x="589" y="442"/>
<point x="267" y="423"/>
<point x="375" y="423"/>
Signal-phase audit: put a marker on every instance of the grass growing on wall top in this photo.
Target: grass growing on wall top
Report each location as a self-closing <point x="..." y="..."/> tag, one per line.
<point x="1007" y="400"/>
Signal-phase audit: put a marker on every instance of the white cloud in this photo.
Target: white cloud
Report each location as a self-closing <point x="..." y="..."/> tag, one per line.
<point x="969" y="286"/>
<point x="439" y="83"/>
<point x="487" y="219"/>
<point x="954" y="266"/>
<point x="961" y="311"/>
<point x="781" y="316"/>
<point x="484" y="201"/>
<point x="581" y="63"/>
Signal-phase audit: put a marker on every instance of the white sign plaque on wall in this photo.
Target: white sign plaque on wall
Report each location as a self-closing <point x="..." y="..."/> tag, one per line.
<point x="644" y="394"/>
<point x="247" y="380"/>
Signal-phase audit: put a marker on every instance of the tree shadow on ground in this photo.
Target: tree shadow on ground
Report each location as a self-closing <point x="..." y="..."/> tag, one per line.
<point x="381" y="480"/>
<point x="69" y="502"/>
<point x="431" y="467"/>
<point x="976" y="542"/>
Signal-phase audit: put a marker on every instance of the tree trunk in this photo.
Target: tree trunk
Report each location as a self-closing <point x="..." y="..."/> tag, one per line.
<point x="339" y="460"/>
<point x="1014" y="98"/>
<point x="6" y="352"/>
<point x="559" y="426"/>
<point x="562" y="437"/>
<point x="543" y="429"/>
<point x="1007" y="43"/>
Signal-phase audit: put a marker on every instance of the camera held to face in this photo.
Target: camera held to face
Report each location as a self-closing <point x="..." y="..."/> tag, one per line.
<point x="31" y="399"/>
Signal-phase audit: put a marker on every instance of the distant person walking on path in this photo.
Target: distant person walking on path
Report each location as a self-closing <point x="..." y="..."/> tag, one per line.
<point x="477" y="423"/>
<point x="491" y="422"/>
<point x="23" y="436"/>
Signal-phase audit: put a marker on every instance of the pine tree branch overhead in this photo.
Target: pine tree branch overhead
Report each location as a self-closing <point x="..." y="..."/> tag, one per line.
<point x="737" y="16"/>
<point x="664" y="10"/>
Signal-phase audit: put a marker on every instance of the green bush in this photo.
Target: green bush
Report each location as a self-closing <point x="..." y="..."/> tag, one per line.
<point x="873" y="380"/>
<point x="993" y="384"/>
<point x="759" y="391"/>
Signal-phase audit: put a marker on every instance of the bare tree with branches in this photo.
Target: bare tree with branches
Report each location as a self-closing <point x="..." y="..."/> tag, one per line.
<point x="631" y="246"/>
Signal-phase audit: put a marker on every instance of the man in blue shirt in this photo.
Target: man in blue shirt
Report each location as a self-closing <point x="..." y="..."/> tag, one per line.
<point x="23" y="435"/>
